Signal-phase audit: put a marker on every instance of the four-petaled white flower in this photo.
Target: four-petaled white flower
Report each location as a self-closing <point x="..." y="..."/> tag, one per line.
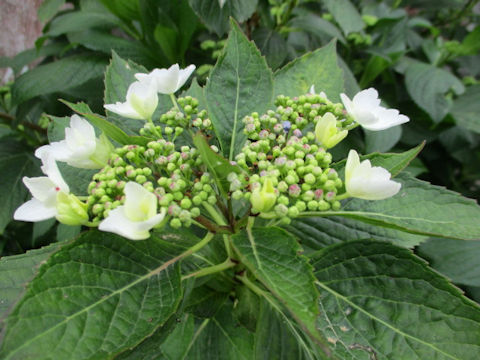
<point x="327" y="133"/>
<point x="168" y="81"/>
<point x="44" y="190"/>
<point x="321" y="93"/>
<point x="366" y="182"/>
<point x="80" y="148"/>
<point x="142" y="100"/>
<point x="136" y="216"/>
<point x="365" y="109"/>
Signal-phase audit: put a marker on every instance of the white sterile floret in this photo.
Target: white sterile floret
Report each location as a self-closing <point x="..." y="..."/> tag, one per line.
<point x="364" y="181"/>
<point x="136" y="216"/>
<point x="365" y="109"/>
<point x="167" y="81"/>
<point x="44" y="190"/>
<point x="141" y="102"/>
<point x="80" y="148"/>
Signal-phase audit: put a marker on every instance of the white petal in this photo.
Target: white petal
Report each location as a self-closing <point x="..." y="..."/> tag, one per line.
<point x="142" y="97"/>
<point x="347" y="103"/>
<point x="366" y="99"/>
<point x="34" y="210"/>
<point x="387" y="118"/>
<point x="167" y="80"/>
<point x="117" y="222"/>
<point x="123" y="109"/>
<point x="42" y="189"/>
<point x="184" y="75"/>
<point x="83" y="126"/>
<point x="140" y="204"/>
<point x="312" y="89"/>
<point x="50" y="168"/>
<point x="80" y="137"/>
<point x="353" y="161"/>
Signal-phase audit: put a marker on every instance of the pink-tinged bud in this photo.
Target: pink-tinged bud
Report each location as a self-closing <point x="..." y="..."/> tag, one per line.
<point x="297" y="133"/>
<point x="281" y="161"/>
<point x="330" y="196"/>
<point x="263" y="134"/>
<point x="318" y="194"/>
<point x="161" y="160"/>
<point x="294" y="190"/>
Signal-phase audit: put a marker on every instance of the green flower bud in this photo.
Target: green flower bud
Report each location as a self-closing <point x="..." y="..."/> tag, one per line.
<point x="264" y="199"/>
<point x="70" y="210"/>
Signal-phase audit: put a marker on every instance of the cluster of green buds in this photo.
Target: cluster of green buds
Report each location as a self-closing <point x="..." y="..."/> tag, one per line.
<point x="290" y="170"/>
<point x="185" y="115"/>
<point x="174" y="177"/>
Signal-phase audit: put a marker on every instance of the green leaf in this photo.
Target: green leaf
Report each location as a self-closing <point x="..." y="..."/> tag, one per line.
<point x="382" y="302"/>
<point x="466" y="109"/>
<point x="274" y="339"/>
<point x="456" y="259"/>
<point x="67" y="232"/>
<point x="120" y="74"/>
<point x="111" y="130"/>
<point x="68" y="73"/>
<point x="221" y="338"/>
<point x="316" y="25"/>
<point x="167" y="38"/>
<point x="216" y="18"/>
<point x="81" y="20"/>
<point x="419" y="208"/>
<point x="315" y="233"/>
<point x="427" y="86"/>
<point x="15" y="163"/>
<point x="217" y="165"/>
<point x="393" y="162"/>
<point x="239" y="72"/>
<point x="375" y="66"/>
<point x="317" y="68"/>
<point x="346" y="15"/>
<point x="175" y="346"/>
<point x="115" y="290"/>
<point x="105" y="42"/>
<point x="48" y="9"/>
<point x="16" y="271"/>
<point x="271" y="254"/>
<point x="272" y="45"/>
<point x="382" y="141"/>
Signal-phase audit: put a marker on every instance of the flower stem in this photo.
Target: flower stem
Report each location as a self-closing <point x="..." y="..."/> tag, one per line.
<point x="92" y="223"/>
<point x="226" y="242"/>
<point x="214" y="214"/>
<point x="227" y="264"/>
<point x="342" y="196"/>
<point x="174" y="101"/>
<point x="154" y="129"/>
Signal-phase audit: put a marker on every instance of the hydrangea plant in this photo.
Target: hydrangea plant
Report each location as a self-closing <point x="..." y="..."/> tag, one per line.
<point x="221" y="227"/>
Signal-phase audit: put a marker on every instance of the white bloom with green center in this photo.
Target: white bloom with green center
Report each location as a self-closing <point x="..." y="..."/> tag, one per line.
<point x="136" y="217"/>
<point x="142" y="100"/>
<point x="80" y="148"/>
<point x="364" y="181"/>
<point x="44" y="190"/>
<point x="327" y="133"/>
<point x="365" y="109"/>
<point x="167" y="81"/>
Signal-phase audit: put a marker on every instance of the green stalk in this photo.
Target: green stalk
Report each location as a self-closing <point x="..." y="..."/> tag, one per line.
<point x="227" y="264"/>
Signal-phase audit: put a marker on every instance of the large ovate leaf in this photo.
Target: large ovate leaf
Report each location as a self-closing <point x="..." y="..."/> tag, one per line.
<point x="239" y="72"/>
<point x="48" y="9"/>
<point x="271" y="254"/>
<point x="315" y="233"/>
<point x="317" y="68"/>
<point x="457" y="260"/>
<point x="81" y="20"/>
<point x="419" y="208"/>
<point x="15" y="163"/>
<point x="215" y="17"/>
<point x="96" y="297"/>
<point x="220" y="338"/>
<point x="69" y="73"/>
<point x="382" y="141"/>
<point x="15" y="273"/>
<point x="466" y="109"/>
<point x="427" y="86"/>
<point x="382" y="302"/>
